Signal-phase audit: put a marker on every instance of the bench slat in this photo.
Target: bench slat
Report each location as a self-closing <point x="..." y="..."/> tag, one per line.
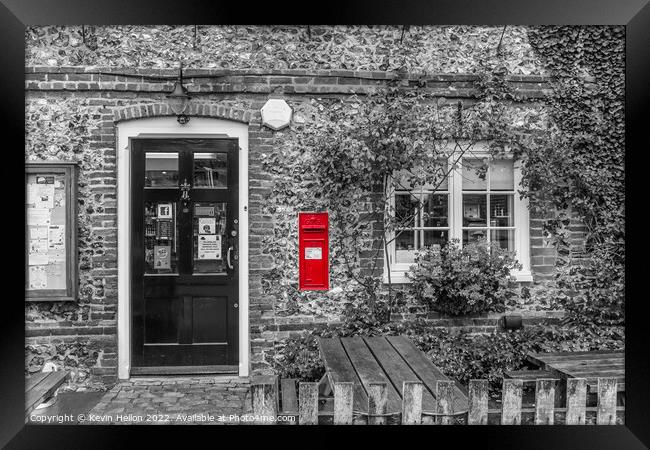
<point x="544" y="359"/>
<point x="397" y="369"/>
<point x="425" y="369"/>
<point x="32" y="381"/>
<point x="44" y="389"/>
<point x="596" y="365"/>
<point x="528" y="375"/>
<point x="339" y="369"/>
<point x="370" y="371"/>
<point x="589" y="373"/>
<point x="582" y="353"/>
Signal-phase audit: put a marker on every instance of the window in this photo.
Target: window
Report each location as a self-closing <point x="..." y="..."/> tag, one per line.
<point x="425" y="226"/>
<point x="464" y="206"/>
<point x="488" y="210"/>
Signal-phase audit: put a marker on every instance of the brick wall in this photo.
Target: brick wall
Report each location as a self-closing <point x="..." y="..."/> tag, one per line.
<point x="71" y="112"/>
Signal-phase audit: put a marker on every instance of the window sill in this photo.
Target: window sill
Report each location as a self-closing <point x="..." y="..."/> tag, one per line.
<point x="399" y="277"/>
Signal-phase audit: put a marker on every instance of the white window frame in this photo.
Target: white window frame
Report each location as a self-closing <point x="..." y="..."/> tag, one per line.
<point x="521" y="220"/>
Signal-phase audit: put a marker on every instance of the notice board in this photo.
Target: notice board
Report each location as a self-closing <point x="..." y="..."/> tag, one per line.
<point x="51" y="231"/>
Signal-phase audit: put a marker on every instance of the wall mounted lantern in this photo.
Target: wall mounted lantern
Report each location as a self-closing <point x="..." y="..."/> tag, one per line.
<point x="179" y="99"/>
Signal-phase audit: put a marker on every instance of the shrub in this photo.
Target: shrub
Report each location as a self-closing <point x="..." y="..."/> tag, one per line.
<point x="464" y="356"/>
<point x="472" y="279"/>
<point x="298" y="357"/>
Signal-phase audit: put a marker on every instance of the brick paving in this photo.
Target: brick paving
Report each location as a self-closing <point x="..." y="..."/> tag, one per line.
<point x="174" y="400"/>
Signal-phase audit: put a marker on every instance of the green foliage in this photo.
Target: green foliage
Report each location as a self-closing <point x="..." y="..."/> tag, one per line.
<point x="577" y="164"/>
<point x="465" y="356"/>
<point x="298" y="357"/>
<point x="472" y="279"/>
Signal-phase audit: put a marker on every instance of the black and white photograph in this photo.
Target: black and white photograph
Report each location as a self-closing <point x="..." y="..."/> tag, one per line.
<point x="415" y="224"/>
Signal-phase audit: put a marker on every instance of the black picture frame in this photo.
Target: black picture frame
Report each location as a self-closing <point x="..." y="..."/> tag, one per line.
<point x="69" y="172"/>
<point x="634" y="14"/>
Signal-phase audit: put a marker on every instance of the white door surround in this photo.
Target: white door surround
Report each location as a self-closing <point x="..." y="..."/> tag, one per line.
<point x="169" y="127"/>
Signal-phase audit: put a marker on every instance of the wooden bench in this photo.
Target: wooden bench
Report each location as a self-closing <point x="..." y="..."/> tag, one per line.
<point x="41" y="386"/>
<point x="585" y="364"/>
<point x="391" y="360"/>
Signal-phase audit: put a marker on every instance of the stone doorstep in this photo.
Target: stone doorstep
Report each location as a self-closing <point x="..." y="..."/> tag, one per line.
<point x="185" y="380"/>
<point x="176" y="395"/>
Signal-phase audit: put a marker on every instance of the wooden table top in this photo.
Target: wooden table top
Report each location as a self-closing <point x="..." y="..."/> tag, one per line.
<point x="590" y="365"/>
<point x="388" y="359"/>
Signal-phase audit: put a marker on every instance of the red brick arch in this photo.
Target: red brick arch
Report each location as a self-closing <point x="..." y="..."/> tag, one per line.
<point x="213" y="110"/>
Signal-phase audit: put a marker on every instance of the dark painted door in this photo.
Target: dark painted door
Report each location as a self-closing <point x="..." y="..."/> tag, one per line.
<point x="184" y="267"/>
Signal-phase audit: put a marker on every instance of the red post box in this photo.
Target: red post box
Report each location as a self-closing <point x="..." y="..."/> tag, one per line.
<point x="313" y="245"/>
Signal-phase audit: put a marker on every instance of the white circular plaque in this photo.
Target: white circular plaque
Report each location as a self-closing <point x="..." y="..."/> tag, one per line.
<point x="276" y="114"/>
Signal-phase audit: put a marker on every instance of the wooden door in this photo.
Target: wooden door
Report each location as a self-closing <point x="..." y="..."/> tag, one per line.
<point x="184" y="267"/>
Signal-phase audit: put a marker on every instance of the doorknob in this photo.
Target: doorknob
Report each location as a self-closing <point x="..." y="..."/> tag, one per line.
<point x="231" y="248"/>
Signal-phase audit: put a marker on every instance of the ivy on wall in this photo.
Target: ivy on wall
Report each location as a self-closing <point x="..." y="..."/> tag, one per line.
<point x="577" y="165"/>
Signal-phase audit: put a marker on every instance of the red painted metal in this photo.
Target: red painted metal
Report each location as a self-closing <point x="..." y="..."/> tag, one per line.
<point x="313" y="244"/>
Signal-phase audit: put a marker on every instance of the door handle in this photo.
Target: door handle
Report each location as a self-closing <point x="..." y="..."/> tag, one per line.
<point x="231" y="248"/>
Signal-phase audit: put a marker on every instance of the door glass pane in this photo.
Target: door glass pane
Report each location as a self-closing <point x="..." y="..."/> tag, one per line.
<point x="435" y="210"/>
<point x="472" y="168"/>
<point x="160" y="237"/>
<point x="502" y="175"/>
<point x="209" y="239"/>
<point x="504" y="238"/>
<point x="405" y="246"/>
<point x="210" y="170"/>
<point x="474" y="210"/>
<point x="501" y="210"/>
<point x="474" y="235"/>
<point x="161" y="169"/>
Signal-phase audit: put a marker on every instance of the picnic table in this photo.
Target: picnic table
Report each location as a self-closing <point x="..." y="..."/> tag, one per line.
<point x="590" y="365"/>
<point x="388" y="359"/>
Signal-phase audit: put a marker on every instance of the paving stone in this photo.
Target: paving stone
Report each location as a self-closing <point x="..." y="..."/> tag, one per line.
<point x="188" y="396"/>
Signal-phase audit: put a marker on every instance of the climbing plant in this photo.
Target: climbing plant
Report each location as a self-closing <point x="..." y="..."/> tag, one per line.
<point x="570" y="145"/>
<point x="577" y="165"/>
<point x="361" y="150"/>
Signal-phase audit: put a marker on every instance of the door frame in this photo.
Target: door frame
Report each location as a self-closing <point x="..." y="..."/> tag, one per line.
<point x="160" y="127"/>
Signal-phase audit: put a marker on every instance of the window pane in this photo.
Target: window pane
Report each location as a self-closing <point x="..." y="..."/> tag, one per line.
<point x="502" y="175"/>
<point x="210" y="170"/>
<point x="405" y="246"/>
<point x="504" y="238"/>
<point x="439" y="178"/>
<point x="474" y="210"/>
<point x="405" y="207"/>
<point x="160" y="237"/>
<point x="435" y="210"/>
<point x="473" y="235"/>
<point x="209" y="237"/>
<point x="471" y="170"/>
<point x="401" y="180"/>
<point x="501" y="210"/>
<point x="437" y="238"/>
<point x="161" y="169"/>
